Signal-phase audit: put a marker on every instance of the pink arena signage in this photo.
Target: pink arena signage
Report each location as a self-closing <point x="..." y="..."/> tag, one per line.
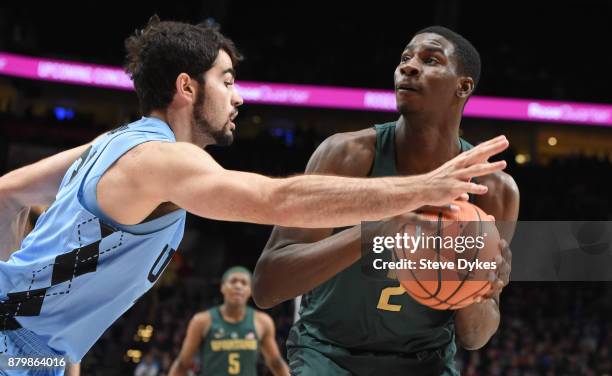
<point x="313" y="96"/>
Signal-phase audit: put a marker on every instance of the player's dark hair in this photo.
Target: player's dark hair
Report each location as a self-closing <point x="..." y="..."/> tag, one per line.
<point x="468" y="58"/>
<point x="157" y="54"/>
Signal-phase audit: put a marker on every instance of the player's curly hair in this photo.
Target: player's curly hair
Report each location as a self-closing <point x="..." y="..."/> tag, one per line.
<point x="468" y="58"/>
<point x="161" y="51"/>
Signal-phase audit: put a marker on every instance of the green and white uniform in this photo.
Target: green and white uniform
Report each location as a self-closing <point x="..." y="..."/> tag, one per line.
<point x="230" y="349"/>
<point x="356" y="325"/>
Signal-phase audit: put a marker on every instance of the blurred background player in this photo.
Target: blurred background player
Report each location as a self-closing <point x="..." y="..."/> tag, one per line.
<point x="350" y="324"/>
<point x="229" y="337"/>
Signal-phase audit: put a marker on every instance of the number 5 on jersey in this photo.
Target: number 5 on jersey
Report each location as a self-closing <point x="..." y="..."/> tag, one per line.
<point x="234" y="363"/>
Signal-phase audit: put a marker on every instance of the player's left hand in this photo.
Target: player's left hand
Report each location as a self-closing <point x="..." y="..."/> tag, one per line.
<point x="501" y="276"/>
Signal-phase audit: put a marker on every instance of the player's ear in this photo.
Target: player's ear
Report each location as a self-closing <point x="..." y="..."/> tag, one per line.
<point x="465" y="87"/>
<point x="185" y="87"/>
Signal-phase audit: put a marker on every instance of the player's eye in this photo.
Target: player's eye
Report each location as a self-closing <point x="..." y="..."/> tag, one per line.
<point x="431" y="61"/>
<point x="405" y="58"/>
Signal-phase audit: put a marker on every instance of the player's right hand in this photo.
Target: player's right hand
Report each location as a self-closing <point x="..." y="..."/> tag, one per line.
<point x="452" y="180"/>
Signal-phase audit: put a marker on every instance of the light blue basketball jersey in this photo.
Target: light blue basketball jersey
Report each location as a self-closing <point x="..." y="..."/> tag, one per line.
<point x="78" y="271"/>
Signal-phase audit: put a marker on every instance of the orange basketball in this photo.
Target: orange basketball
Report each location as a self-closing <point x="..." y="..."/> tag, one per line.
<point x="453" y="261"/>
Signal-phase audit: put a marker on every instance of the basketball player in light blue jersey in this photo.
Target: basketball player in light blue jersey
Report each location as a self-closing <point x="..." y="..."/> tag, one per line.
<point x="118" y="205"/>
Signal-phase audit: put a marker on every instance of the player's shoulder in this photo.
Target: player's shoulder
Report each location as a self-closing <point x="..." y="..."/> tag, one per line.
<point x="163" y="157"/>
<point x="202" y="317"/>
<point x="346" y="153"/>
<point x="501" y="183"/>
<point x="262" y="317"/>
<point x="502" y="198"/>
<point x="157" y="150"/>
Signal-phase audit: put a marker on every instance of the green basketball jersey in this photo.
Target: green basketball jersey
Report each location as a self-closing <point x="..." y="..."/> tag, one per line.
<point x="230" y="349"/>
<point x="353" y="318"/>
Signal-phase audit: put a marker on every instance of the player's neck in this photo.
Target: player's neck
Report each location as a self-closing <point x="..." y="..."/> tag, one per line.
<point x="233" y="313"/>
<point x="425" y="142"/>
<point x="181" y="126"/>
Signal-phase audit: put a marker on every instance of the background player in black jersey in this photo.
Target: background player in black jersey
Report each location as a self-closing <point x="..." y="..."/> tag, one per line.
<point x="228" y="337"/>
<point x="350" y="324"/>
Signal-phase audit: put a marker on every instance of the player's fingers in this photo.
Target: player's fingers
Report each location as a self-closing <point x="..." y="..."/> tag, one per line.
<point x="463" y="197"/>
<point x="477" y="189"/>
<point x="448" y="208"/>
<point x="486" y="150"/>
<point x="505" y="249"/>
<point x="408" y="220"/>
<point x="481" y="169"/>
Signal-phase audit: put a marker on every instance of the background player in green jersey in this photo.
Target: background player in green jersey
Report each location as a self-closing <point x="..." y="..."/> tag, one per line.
<point x="228" y="337"/>
<point x="353" y="325"/>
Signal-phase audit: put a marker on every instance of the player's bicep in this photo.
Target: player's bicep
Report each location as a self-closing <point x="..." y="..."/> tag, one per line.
<point x="190" y="178"/>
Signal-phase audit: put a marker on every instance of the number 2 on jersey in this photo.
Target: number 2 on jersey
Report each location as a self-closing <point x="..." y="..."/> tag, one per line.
<point x="386" y="294"/>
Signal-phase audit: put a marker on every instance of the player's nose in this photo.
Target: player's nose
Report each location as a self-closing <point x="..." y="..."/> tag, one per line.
<point x="237" y="99"/>
<point x="410" y="68"/>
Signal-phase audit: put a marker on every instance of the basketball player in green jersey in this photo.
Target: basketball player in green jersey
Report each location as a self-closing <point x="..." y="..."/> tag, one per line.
<point x="228" y="337"/>
<point x="353" y="325"/>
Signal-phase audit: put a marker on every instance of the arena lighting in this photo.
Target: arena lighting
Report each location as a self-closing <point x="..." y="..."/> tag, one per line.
<point x="313" y="96"/>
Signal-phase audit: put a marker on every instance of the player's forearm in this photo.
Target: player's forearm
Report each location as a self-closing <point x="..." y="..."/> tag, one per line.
<point x="177" y="369"/>
<point x="477" y="323"/>
<point x="278" y="367"/>
<point x="286" y="271"/>
<point x="309" y="201"/>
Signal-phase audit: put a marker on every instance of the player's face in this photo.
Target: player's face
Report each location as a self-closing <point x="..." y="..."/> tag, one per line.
<point x="216" y="106"/>
<point x="426" y="78"/>
<point x="236" y="289"/>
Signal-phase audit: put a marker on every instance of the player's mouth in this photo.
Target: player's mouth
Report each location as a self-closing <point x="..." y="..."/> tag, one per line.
<point x="233" y="116"/>
<point x="407" y="88"/>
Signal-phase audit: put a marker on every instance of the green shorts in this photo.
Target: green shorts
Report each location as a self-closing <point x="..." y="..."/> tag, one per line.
<point x="311" y="357"/>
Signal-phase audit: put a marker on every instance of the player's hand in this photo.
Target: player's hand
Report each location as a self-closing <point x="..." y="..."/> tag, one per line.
<point x="452" y="180"/>
<point x="501" y="276"/>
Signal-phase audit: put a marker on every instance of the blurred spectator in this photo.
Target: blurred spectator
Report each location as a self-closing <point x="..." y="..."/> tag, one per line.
<point x="147" y="367"/>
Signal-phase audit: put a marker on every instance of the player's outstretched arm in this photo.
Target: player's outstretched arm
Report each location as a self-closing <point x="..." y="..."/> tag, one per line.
<point x="188" y="177"/>
<point x="35" y="184"/>
<point x="197" y="329"/>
